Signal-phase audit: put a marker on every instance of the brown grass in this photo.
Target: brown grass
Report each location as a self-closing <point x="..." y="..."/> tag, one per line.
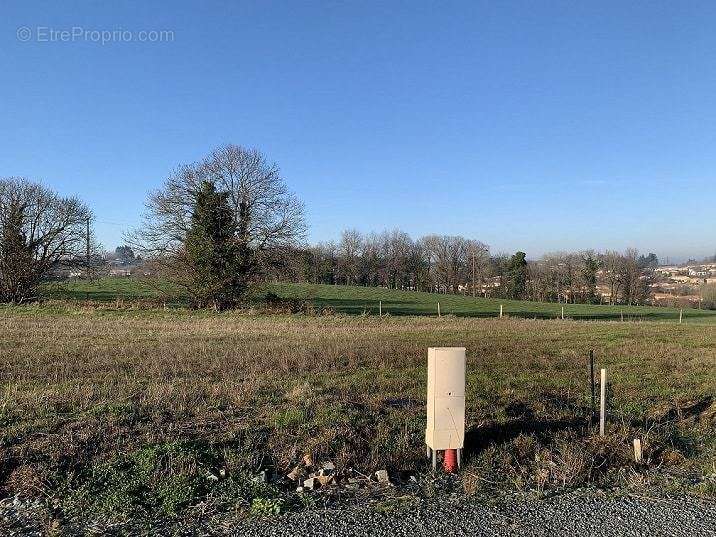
<point x="80" y="387"/>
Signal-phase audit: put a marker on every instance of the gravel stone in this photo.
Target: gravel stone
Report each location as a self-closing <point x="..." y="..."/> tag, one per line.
<point x="577" y="513"/>
<point x="581" y="512"/>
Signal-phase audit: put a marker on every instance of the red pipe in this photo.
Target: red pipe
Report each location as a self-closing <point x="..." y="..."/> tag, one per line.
<point x="450" y="461"/>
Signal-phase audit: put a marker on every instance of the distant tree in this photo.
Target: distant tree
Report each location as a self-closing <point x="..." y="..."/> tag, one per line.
<point x="650" y="261"/>
<point x="708" y="296"/>
<point x="39" y="231"/>
<point x="370" y="260"/>
<point x="633" y="291"/>
<point x="349" y="250"/>
<point x="590" y="267"/>
<point x="267" y="220"/>
<point x="611" y="262"/>
<point x="125" y="254"/>
<point x="396" y="251"/>
<point x="516" y="276"/>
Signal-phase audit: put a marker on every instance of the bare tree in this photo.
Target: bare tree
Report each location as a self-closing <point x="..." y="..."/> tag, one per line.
<point x="370" y="260"/>
<point x="349" y="250"/>
<point x="631" y="277"/>
<point x="612" y="266"/>
<point x="268" y="218"/>
<point x="39" y="231"/>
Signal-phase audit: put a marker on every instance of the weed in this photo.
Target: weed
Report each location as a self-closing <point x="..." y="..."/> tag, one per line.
<point x="264" y="507"/>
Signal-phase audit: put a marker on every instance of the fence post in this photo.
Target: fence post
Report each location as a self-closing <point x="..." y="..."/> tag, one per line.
<point x="638" y="456"/>
<point x="591" y="382"/>
<point x="438" y="309"/>
<point x="603" y="402"/>
<point x="563" y="313"/>
<point x="681" y="315"/>
<point x="380" y="308"/>
<point x="500" y="311"/>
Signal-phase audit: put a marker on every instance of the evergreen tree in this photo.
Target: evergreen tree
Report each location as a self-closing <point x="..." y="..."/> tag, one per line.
<point x="589" y="277"/>
<point x="17" y="281"/>
<point x="516" y="276"/>
<point x="213" y="254"/>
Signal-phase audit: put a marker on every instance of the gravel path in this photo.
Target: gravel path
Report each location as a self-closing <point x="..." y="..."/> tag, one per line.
<point x="579" y="513"/>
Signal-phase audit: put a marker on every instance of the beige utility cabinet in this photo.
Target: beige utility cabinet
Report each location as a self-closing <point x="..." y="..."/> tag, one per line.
<point x="446" y="398"/>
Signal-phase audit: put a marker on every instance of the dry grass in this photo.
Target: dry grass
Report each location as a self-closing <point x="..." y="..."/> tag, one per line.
<point x="82" y="387"/>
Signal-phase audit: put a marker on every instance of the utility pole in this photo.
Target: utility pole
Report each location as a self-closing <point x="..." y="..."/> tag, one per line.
<point x="88" y="249"/>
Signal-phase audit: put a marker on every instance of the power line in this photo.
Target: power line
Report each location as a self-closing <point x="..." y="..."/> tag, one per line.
<point x="114" y="223"/>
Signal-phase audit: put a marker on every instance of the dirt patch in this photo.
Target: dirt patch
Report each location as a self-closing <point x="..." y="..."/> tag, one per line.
<point x="701" y="410"/>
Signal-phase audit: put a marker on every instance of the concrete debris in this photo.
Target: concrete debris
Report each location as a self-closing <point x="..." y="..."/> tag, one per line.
<point x="308" y="478"/>
<point x="296" y="474"/>
<point x="382" y="476"/>
<point x="308" y="460"/>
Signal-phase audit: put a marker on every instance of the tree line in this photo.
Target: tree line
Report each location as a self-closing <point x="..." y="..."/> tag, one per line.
<point x="220" y="225"/>
<point x="459" y="265"/>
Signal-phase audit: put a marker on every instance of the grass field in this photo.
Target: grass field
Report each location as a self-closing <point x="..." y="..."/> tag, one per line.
<point x="118" y="411"/>
<point x="355" y="300"/>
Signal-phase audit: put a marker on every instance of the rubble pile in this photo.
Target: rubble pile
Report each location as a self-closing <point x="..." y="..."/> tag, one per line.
<point x="309" y="476"/>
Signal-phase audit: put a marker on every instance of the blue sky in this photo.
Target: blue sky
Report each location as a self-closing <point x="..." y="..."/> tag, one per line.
<point x="528" y="125"/>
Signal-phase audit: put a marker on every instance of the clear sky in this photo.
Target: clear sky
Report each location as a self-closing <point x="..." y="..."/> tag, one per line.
<point x="528" y="125"/>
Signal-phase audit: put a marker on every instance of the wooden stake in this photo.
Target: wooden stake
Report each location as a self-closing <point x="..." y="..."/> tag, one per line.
<point x="681" y="316"/>
<point x="622" y="316"/>
<point x="637" y="450"/>
<point x="563" y="313"/>
<point x="438" y="309"/>
<point x="500" y="311"/>
<point x="591" y="382"/>
<point x="603" y="402"/>
<point x="380" y="308"/>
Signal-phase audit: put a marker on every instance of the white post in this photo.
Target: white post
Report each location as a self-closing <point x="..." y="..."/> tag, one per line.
<point x="563" y="313"/>
<point x="603" y="402"/>
<point x="638" y="457"/>
<point x="681" y="315"/>
<point x="438" y="309"/>
<point x="380" y="308"/>
<point x="500" y="311"/>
